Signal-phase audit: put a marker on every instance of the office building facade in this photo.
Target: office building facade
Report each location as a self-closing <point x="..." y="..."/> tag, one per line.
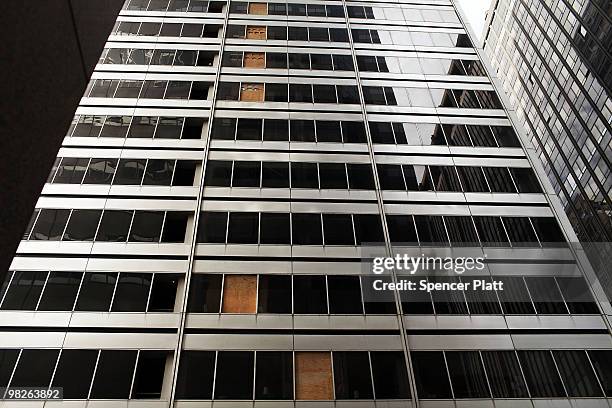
<point x="555" y="64"/>
<point x="201" y="237"/>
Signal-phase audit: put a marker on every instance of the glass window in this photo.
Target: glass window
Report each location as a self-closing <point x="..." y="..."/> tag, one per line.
<point x="175" y="226"/>
<point x="304" y="175"/>
<point x="546" y="296"/>
<point x="461" y="231"/>
<point x="541" y="374"/>
<point x="347" y="94"/>
<point x="275" y="175"/>
<point x="24" y="291"/>
<point x="275" y="229"/>
<point x="467" y="374"/>
<point x="338" y="229"/>
<point x="302" y="130"/>
<point x="505" y="136"/>
<point x="162" y="57"/>
<point x="602" y="362"/>
<point x="170" y="30"/>
<point x="228" y="91"/>
<point x="296" y="9"/>
<point x="276" y="93"/>
<point x="328" y="131"/>
<point x="374" y="95"/>
<point x="499" y="180"/>
<point x="114" y="374"/>
<point x="324" y="94"/>
<point x="142" y="127"/>
<point x="88" y="126"/>
<point x="360" y="176"/>
<point x="431" y="230"/>
<point x="504" y="374"/>
<point x="130" y="171"/>
<point x="390" y="375"/>
<point x="212" y="227"/>
<point x="276" y="129"/>
<point x="229" y="385"/>
<point x="274" y="377"/>
<point x="50" y="225"/>
<point x="577" y="373"/>
<point x="274" y="294"/>
<point x="344" y="295"/>
<point x="8" y="358"/>
<point x="353" y="132"/>
<point x="473" y="179"/>
<point x="132" y="292"/>
<point x="243" y="228"/>
<point x="246" y="174"/>
<point x="309" y="295"/>
<point x="128" y="89"/>
<point x="224" y="128"/>
<point x="367" y="63"/>
<point x="343" y="63"/>
<point x="445" y="178"/>
<point x="249" y="129"/>
<point x="351" y="375"/>
<point x="276" y="60"/>
<point x="515" y="298"/>
<point x="158" y="172"/>
<point x="297" y="33"/>
<point x="163" y="293"/>
<point x="401" y="229"/>
<point x="232" y="59"/>
<point x="71" y="170"/>
<point x="154" y="89"/>
<point x="74" y="372"/>
<point x="60" y="291"/>
<point x="482" y="302"/>
<point x="368" y="229"/>
<point x="306" y="229"/>
<point x="300" y="93"/>
<point x="430" y="375"/>
<point x="333" y="175"/>
<point x="35" y="368"/>
<point x="149" y="374"/>
<point x="196" y="374"/>
<point x="321" y="61"/>
<point x="525" y="180"/>
<point x="577" y="295"/>
<point x="184" y="173"/>
<point x="205" y="294"/>
<point x="548" y="231"/>
<point x="116" y="126"/>
<point x="114" y="226"/>
<point x="338" y="35"/>
<point x="82" y="225"/>
<point x="520" y="231"/>
<point x="192" y="30"/>
<point x="277" y="32"/>
<point x="96" y="292"/>
<point x="100" y="171"/>
<point x="146" y="226"/>
<point x="381" y="133"/>
<point x="491" y="231"/>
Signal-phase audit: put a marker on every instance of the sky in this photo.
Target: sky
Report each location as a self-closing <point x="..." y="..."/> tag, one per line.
<point x="475" y="10"/>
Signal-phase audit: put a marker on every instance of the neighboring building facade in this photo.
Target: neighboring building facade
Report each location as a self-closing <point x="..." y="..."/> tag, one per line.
<point x="200" y="238"/>
<point x="555" y="63"/>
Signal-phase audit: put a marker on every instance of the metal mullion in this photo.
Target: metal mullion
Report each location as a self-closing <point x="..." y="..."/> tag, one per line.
<point x="326" y="294"/>
<point x="59" y="355"/>
<point x="65" y="226"/>
<point x="214" y="384"/>
<point x="98" y="226"/>
<point x="363" y="311"/>
<point x="8" y="384"/>
<point x="76" y="298"/>
<point x="514" y="183"/>
<point x="257" y="277"/>
<point x="346" y="177"/>
<point x="85" y="172"/>
<point x="134" y="374"/>
<point x="552" y="356"/>
<point x="535" y="232"/>
<point x="8" y="285"/>
<point x="354" y="229"/>
<point x="93" y="375"/>
<point x="371" y="374"/>
<point x="110" y="307"/>
<point x="42" y="291"/>
<point x="153" y="275"/>
<point x="562" y="297"/>
<point x="254" y="374"/>
<point x="173" y="172"/>
<point x="484" y="369"/>
<point x="518" y="360"/>
<point x="161" y="232"/>
<point x="530" y="296"/>
<point x="450" y="382"/>
<point x="499" y="217"/>
<point x="144" y="172"/>
<point x="601" y="388"/>
<point x="331" y="361"/>
<point x="227" y="227"/>
<point x="127" y="238"/>
<point x="258" y="228"/>
<point x="231" y="180"/>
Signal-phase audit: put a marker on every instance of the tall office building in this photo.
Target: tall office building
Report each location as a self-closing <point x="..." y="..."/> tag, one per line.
<point x="555" y="64"/>
<point x="199" y="242"/>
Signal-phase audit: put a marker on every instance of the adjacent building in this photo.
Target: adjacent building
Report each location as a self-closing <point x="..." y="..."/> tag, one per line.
<point x="201" y="236"/>
<point x="555" y="64"/>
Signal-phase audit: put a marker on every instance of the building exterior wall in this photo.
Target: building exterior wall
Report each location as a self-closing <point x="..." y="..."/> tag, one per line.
<point x="554" y="62"/>
<point x="201" y="239"/>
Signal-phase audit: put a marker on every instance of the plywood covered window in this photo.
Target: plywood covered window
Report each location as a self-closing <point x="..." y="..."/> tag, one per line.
<point x="254" y="60"/>
<point x="239" y="294"/>
<point x="313" y="376"/>
<point x="258" y="8"/>
<point x="256" y="33"/>
<point x="252" y="92"/>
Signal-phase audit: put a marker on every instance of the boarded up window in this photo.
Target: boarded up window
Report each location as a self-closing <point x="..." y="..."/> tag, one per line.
<point x="313" y="376"/>
<point x="252" y="92"/>
<point x="254" y="60"/>
<point x="258" y="8"/>
<point x="239" y="294"/>
<point x="256" y="33"/>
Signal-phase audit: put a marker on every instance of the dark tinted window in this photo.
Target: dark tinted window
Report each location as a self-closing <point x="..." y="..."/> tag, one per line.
<point x="212" y="227"/>
<point x="60" y="291"/>
<point x="275" y="229"/>
<point x="541" y="374"/>
<point x="114" y="373"/>
<point x="149" y="374"/>
<point x="304" y="175"/>
<point x="274" y="294"/>
<point x="132" y="292"/>
<point x="351" y="375"/>
<point x="96" y="291"/>
<point x="24" y="291"/>
<point x="130" y="171"/>
<point x="246" y="174"/>
<point x="467" y="374"/>
<point x="368" y="228"/>
<point x="338" y="229"/>
<point x="275" y="174"/>
<point x="50" y="225"/>
<point x="82" y="225"/>
<point x="306" y="229"/>
<point x="114" y="226"/>
<point x="504" y="374"/>
<point x="163" y="293"/>
<point x="74" y="372"/>
<point x="401" y="229"/>
<point x="390" y="376"/>
<point x="35" y="368"/>
<point x="234" y="379"/>
<point x="309" y="295"/>
<point x="205" y="293"/>
<point x="430" y="375"/>
<point x="344" y="295"/>
<point x="243" y="228"/>
<point x="602" y="362"/>
<point x="196" y="373"/>
<point x="218" y="173"/>
<point x="577" y="373"/>
<point x="146" y="226"/>
<point x="274" y="377"/>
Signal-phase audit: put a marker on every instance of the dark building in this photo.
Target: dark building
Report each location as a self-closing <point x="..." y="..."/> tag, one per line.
<point x="201" y="237"/>
<point x="555" y="64"/>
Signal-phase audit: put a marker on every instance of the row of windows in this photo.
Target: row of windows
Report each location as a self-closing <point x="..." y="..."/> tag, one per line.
<point x="151" y="172"/>
<point x="510" y="374"/>
<point x="88" y="292"/>
<point x="139" y="56"/>
<point x="185" y="30"/>
<point x="363" y="36"/>
<point x="319" y="294"/>
<point x="347" y="229"/>
<point x="136" y="127"/>
<point x="110" y="225"/>
<point x="303" y="375"/>
<point x="406" y="65"/>
<point x="359" y="176"/>
<point x="319" y="10"/>
<point x="285" y="375"/>
<point x="348" y="94"/>
<point x="415" y="134"/>
<point x="95" y="374"/>
<point x="195" y="6"/>
<point x="152" y="89"/>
